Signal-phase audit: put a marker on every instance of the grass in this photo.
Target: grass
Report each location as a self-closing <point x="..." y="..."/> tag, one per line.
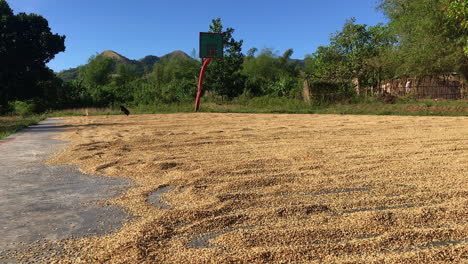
<point x="415" y="109"/>
<point x="12" y="124"/>
<point x="266" y="104"/>
<point x="83" y="111"/>
<point x="142" y="109"/>
<point x="362" y="107"/>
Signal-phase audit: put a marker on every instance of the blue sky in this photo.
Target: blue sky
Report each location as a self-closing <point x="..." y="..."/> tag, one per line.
<point x="156" y="27"/>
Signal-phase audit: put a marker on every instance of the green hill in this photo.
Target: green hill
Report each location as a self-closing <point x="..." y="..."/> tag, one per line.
<point x="144" y="64"/>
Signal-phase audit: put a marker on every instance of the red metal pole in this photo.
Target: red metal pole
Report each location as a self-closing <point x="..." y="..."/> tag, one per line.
<point x="200" y="82"/>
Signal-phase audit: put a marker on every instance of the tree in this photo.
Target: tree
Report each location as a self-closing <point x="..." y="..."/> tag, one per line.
<point x="270" y="74"/>
<point x="325" y="64"/>
<point x="125" y="74"/>
<point x="261" y="73"/>
<point x="352" y="55"/>
<point x="95" y="76"/>
<point x="432" y="35"/>
<point x="223" y="76"/>
<point x="288" y="65"/>
<point x="287" y="56"/>
<point x="175" y="79"/>
<point x="358" y="44"/>
<point x="121" y="85"/>
<point x="97" y="71"/>
<point x="457" y="13"/>
<point x="26" y="45"/>
<point x="251" y="52"/>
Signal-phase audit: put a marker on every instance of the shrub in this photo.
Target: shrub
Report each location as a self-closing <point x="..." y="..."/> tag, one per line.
<point x="407" y="98"/>
<point x="5" y="109"/>
<point x="330" y="92"/>
<point x="177" y="91"/>
<point x="24" y="108"/>
<point x="428" y="103"/>
<point x="388" y="98"/>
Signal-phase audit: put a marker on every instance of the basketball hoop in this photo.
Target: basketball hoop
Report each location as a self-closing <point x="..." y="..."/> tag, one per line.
<point x="211" y="47"/>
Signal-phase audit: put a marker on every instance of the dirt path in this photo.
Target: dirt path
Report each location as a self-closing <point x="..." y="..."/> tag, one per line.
<point x="40" y="202"/>
<point x="262" y="188"/>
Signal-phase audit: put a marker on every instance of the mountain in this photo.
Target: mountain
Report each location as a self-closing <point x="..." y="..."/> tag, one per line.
<point x="69" y="75"/>
<point x="176" y="54"/>
<point x="149" y="60"/>
<point x="116" y="57"/>
<point x="144" y="64"/>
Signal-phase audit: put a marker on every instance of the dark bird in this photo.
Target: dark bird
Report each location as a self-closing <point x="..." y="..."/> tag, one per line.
<point x="125" y="110"/>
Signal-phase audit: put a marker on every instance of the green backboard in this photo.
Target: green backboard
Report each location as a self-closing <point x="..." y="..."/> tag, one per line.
<point x="211" y="45"/>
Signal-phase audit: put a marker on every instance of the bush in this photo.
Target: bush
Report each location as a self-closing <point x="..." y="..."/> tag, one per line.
<point x="144" y="94"/>
<point x="330" y="92"/>
<point x="407" y="98"/>
<point x="388" y="98"/>
<point x="24" y="108"/>
<point x="5" y="109"/>
<point x="178" y="90"/>
<point x="271" y="103"/>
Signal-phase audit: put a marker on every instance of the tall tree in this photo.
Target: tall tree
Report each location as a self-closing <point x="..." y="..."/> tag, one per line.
<point x="224" y="75"/>
<point x="457" y="13"/>
<point x="121" y="85"/>
<point x="95" y="76"/>
<point x="261" y="72"/>
<point x="431" y="35"/>
<point x="26" y="45"/>
<point x="352" y="55"/>
<point x="97" y="71"/>
<point x="251" y="52"/>
<point x="270" y="74"/>
<point x="175" y="79"/>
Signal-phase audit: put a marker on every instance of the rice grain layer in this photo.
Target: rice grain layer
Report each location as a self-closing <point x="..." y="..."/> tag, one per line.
<point x="276" y="188"/>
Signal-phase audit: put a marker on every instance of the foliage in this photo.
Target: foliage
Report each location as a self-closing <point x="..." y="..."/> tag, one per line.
<point x="125" y="74"/>
<point x="144" y="93"/>
<point x="69" y="75"/>
<point x="12" y="124"/>
<point x="26" y="45"/>
<point x="354" y="54"/>
<point x="97" y="71"/>
<point x="457" y="12"/>
<point x="223" y="76"/>
<point x="95" y="76"/>
<point x="175" y="79"/>
<point x="422" y="38"/>
<point x="430" y="39"/>
<point x="330" y="92"/>
<point x="251" y="52"/>
<point x="364" y="106"/>
<point x="261" y="73"/>
<point x="122" y="82"/>
<point x="24" y="108"/>
<point x="270" y="74"/>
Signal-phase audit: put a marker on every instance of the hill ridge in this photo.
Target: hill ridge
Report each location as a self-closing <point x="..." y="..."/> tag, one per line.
<point x="114" y="55"/>
<point x="144" y="64"/>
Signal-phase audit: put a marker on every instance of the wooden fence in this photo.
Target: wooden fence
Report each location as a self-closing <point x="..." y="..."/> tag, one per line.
<point x="444" y="87"/>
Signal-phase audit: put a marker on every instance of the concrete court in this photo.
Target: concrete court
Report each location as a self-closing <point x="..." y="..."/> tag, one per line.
<point x="39" y="202"/>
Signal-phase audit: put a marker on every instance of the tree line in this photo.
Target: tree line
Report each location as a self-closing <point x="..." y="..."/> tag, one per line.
<point x="422" y="38"/>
